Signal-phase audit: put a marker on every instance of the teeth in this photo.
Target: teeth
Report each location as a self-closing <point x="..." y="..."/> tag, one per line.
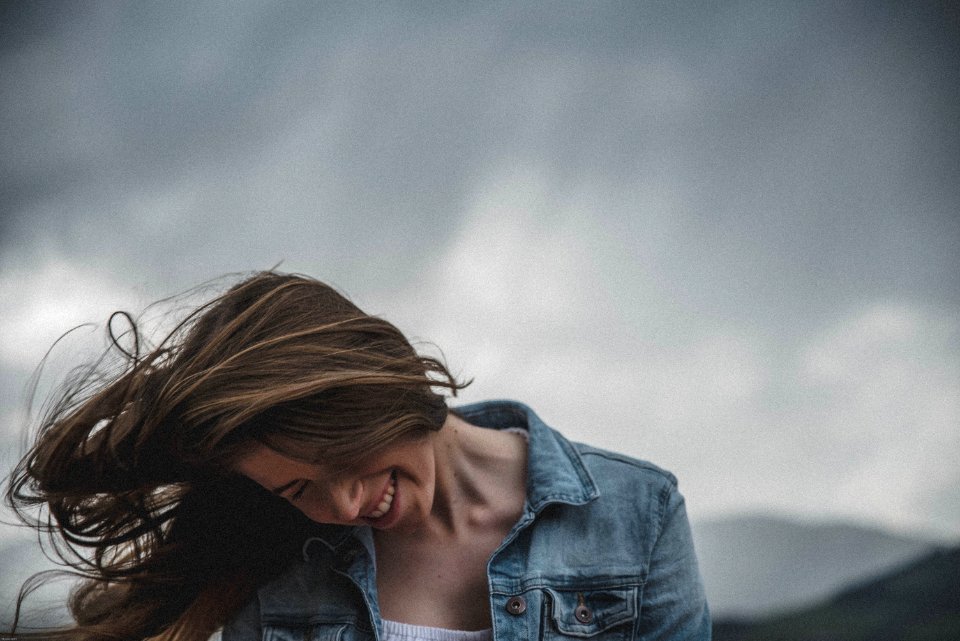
<point x="387" y="501"/>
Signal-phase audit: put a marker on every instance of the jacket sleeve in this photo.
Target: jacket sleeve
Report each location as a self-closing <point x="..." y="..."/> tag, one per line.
<point x="245" y="626"/>
<point x="674" y="604"/>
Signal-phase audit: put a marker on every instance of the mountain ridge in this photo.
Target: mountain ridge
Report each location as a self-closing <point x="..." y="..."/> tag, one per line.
<point x="919" y="601"/>
<point x="756" y="565"/>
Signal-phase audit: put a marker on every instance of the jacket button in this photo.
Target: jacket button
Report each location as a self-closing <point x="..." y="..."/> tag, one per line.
<point x="583" y="614"/>
<point x="516" y="605"/>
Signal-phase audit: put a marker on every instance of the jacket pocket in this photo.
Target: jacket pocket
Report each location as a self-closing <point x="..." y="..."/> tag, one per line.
<point x="318" y="632"/>
<point x="605" y="613"/>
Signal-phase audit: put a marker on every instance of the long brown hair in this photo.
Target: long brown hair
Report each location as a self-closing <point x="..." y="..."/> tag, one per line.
<point x="132" y="474"/>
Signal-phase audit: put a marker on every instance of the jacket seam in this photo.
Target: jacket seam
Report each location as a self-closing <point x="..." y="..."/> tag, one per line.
<point x="540" y="585"/>
<point x="640" y="465"/>
<point x="661" y="517"/>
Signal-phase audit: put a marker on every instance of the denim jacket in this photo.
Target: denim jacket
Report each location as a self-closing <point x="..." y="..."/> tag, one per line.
<point x="602" y="551"/>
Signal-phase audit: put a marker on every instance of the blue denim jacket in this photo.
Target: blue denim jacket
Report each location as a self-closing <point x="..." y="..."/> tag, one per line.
<point x="602" y="551"/>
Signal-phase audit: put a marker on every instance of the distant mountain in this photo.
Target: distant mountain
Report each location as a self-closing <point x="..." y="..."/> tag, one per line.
<point x="919" y="602"/>
<point x="758" y="565"/>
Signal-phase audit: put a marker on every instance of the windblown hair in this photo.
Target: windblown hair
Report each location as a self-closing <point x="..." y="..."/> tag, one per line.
<point x="133" y="476"/>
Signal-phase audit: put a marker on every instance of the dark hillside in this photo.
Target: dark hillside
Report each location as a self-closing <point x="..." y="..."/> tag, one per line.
<point x="756" y="566"/>
<point x="919" y="602"/>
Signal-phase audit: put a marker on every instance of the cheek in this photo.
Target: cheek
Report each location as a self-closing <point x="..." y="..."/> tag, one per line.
<point x="310" y="505"/>
<point x="315" y="512"/>
<point x="418" y="490"/>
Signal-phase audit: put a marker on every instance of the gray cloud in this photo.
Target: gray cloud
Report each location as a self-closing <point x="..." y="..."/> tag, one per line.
<point x="665" y="225"/>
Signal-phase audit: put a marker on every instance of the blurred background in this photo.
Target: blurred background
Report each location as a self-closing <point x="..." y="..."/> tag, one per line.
<point x="719" y="236"/>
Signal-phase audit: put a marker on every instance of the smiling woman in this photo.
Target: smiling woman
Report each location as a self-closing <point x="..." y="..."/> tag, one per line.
<point x="361" y="495"/>
<point x="283" y="466"/>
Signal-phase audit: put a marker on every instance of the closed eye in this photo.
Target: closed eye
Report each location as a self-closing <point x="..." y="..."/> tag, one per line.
<point x="296" y="496"/>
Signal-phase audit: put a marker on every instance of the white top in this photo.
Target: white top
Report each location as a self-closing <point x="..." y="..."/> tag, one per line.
<point x="396" y="631"/>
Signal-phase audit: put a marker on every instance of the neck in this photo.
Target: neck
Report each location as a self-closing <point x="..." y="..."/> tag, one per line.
<point x="480" y="475"/>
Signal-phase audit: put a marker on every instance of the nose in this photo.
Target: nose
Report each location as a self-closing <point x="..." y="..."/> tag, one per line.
<point x="346" y="499"/>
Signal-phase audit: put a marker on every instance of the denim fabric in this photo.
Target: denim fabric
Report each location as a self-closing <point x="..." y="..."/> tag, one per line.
<point x="602" y="551"/>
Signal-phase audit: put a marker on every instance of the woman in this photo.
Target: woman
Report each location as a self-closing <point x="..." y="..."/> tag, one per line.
<point x="283" y="466"/>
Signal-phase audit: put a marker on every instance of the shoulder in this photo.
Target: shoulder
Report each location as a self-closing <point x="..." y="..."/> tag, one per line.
<point x="599" y="459"/>
<point x="644" y="489"/>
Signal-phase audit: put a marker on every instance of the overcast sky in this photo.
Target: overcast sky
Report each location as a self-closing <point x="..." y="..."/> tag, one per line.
<point x="719" y="236"/>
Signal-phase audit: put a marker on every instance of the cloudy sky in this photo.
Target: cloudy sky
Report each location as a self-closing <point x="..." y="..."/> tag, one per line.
<point x="719" y="236"/>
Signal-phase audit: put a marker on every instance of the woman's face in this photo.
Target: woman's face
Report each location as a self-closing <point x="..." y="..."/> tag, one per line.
<point x="391" y="490"/>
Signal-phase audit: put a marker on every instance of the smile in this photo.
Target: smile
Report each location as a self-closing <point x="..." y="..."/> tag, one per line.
<point x="387" y="499"/>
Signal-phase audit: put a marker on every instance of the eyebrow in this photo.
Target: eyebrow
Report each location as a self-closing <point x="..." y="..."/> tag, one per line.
<point x="286" y="486"/>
